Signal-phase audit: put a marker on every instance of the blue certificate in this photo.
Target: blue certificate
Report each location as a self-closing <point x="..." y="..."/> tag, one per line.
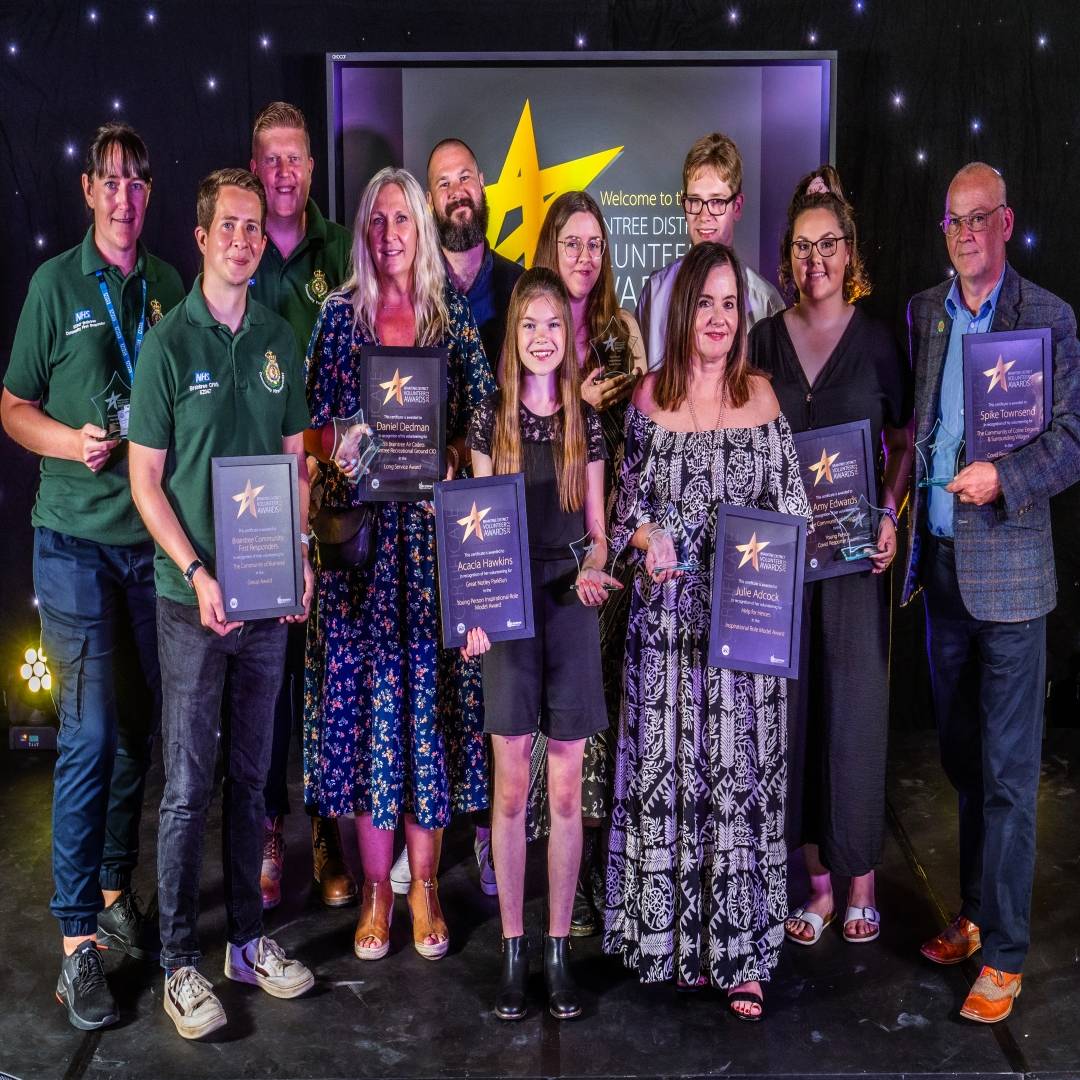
<point x="482" y="543"/>
<point x="1008" y="390"/>
<point x="757" y="591"/>
<point x="257" y="536"/>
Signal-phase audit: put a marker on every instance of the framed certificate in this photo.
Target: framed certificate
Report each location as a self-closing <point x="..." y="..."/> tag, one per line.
<point x="757" y="591"/>
<point x="837" y="467"/>
<point x="482" y="542"/>
<point x="403" y="398"/>
<point x="1008" y="390"/>
<point x="257" y="536"/>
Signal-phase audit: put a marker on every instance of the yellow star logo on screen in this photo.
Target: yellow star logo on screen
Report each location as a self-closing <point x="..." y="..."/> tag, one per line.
<point x="472" y="522"/>
<point x="523" y="185"/>
<point x="999" y="374"/>
<point x="246" y="499"/>
<point x="823" y="468"/>
<point x="393" y="387"/>
<point x="750" y="551"/>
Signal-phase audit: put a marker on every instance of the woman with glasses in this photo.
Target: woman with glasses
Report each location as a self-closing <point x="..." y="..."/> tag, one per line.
<point x="697" y="874"/>
<point x="573" y="242"/>
<point x="831" y="363"/>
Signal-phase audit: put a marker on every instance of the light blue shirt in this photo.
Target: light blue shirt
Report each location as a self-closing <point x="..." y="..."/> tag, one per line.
<point x="950" y="414"/>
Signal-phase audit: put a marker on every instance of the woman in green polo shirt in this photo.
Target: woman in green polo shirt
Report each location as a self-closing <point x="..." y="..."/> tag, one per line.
<point x="65" y="398"/>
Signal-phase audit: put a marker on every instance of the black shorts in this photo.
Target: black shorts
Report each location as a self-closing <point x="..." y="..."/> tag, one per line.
<point x="553" y="680"/>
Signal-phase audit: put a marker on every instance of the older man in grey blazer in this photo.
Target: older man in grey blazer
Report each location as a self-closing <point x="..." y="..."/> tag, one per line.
<point x="982" y="553"/>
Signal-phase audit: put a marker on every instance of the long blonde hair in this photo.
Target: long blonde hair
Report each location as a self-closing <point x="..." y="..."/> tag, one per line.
<point x="571" y="462"/>
<point x="428" y="269"/>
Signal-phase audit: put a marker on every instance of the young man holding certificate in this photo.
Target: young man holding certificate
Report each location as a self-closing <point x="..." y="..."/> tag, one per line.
<point x="982" y="551"/>
<point x="221" y="378"/>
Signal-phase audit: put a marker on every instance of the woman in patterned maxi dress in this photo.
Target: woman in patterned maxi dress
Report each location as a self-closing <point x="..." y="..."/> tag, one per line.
<point x="393" y="724"/>
<point x="696" y="878"/>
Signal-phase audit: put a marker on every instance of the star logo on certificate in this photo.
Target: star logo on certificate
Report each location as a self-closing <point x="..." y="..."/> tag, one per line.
<point x="750" y="551"/>
<point x="246" y="499"/>
<point x="472" y="522"/>
<point x="523" y="186"/>
<point x="822" y="468"/>
<point x="393" y="387"/>
<point x="999" y="374"/>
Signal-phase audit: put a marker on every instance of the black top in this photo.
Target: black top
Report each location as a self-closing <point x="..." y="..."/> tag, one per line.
<point x="551" y="529"/>
<point x="864" y="378"/>
<point x="489" y="298"/>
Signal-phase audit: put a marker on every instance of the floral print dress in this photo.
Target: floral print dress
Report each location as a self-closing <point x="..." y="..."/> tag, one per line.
<point x="697" y="873"/>
<point x="392" y="722"/>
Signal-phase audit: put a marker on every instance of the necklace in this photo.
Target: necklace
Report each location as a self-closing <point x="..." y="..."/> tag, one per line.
<point x="719" y="414"/>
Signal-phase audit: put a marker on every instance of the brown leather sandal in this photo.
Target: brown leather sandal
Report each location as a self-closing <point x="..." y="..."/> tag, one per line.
<point x="427" y="918"/>
<point x="376" y="912"/>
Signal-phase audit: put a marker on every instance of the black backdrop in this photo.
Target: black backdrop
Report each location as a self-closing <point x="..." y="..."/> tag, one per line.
<point x="923" y="87"/>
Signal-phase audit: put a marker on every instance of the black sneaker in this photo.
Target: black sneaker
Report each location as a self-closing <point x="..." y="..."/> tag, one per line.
<point x="83" y="989"/>
<point x="122" y="926"/>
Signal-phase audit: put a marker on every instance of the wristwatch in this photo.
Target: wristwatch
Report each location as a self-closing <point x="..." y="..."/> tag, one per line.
<point x="189" y="573"/>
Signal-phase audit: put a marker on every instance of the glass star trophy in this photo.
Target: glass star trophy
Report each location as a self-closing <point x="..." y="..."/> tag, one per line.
<point x="612" y="350"/>
<point x="355" y="445"/>
<point x="113" y="405"/>
<point x="939" y="453"/>
<point x="582" y="548"/>
<point x="857" y="529"/>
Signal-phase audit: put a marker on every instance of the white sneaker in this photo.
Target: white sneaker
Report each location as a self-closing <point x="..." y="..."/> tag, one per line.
<point x="190" y="1001"/>
<point x="482" y="851"/>
<point x="263" y="963"/>
<point x="400" y="874"/>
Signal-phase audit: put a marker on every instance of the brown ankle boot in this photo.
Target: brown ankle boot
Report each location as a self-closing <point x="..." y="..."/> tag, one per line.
<point x="336" y="885"/>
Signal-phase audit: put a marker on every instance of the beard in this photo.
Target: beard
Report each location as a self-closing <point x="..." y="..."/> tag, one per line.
<point x="468" y="234"/>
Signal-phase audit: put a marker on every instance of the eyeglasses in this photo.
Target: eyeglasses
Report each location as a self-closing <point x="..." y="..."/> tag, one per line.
<point x="826" y="247"/>
<point x="693" y="204"/>
<point x="977" y="222"/>
<point x="574" y="246"/>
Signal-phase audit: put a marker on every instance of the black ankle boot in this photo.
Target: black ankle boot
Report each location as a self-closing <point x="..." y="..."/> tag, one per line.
<point x="563" y="1001"/>
<point x="510" y="998"/>
<point x="584" y="921"/>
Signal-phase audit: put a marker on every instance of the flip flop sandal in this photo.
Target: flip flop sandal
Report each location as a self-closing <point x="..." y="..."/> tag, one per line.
<point x="754" y="999"/>
<point x="866" y="914"/>
<point x="815" y="922"/>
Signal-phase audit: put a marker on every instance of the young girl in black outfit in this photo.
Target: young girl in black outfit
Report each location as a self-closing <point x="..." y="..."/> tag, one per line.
<point x="537" y="424"/>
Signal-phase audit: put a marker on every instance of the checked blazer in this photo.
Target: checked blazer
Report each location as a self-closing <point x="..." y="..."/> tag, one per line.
<point x="1004" y="550"/>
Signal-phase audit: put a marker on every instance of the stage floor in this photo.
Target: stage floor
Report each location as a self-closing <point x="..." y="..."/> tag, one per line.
<point x="873" y="1011"/>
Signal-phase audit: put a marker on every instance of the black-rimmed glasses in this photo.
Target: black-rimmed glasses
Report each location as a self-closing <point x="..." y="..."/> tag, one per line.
<point x="694" y="204"/>
<point x="826" y="247"/>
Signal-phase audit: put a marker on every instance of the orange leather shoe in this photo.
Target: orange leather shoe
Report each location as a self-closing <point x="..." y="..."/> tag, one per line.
<point x="376" y="913"/>
<point x="337" y="886"/>
<point x="427" y="919"/>
<point x="992" y="996"/>
<point x="954" y="944"/>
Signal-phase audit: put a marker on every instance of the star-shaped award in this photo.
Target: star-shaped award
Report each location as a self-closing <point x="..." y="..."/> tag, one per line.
<point x="750" y="551"/>
<point x="113" y="400"/>
<point x="246" y="499"/>
<point x="472" y="522"/>
<point x="999" y="374"/>
<point x="393" y="387"/>
<point x="823" y="467"/>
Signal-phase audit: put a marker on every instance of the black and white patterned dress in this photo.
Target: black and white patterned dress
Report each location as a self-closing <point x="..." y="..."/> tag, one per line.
<point x="696" y="878"/>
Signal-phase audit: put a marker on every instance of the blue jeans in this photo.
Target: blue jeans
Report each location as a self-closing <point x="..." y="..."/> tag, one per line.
<point x="988" y="688"/>
<point x="96" y="603"/>
<point x="196" y="664"/>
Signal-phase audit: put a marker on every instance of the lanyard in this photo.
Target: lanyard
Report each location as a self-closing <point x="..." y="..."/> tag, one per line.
<point x="116" y="326"/>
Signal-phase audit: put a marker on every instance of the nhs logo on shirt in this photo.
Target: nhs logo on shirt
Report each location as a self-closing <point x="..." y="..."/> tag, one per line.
<point x="81" y="320"/>
<point x="202" y="382"/>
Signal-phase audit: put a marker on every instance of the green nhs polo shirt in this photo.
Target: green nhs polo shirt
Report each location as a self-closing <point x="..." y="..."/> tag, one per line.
<point x="296" y="287"/>
<point x="65" y="355"/>
<point x="204" y="392"/>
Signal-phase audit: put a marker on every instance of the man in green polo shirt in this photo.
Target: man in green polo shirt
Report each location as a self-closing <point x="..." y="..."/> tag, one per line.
<point x="65" y="398"/>
<point x="221" y="378"/>
<point x="306" y="258"/>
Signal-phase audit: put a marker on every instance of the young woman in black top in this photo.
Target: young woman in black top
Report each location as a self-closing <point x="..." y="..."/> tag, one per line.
<point x="537" y="424"/>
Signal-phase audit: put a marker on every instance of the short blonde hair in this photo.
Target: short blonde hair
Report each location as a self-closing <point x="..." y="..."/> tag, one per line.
<point x="718" y="152"/>
<point x="278" y="114"/>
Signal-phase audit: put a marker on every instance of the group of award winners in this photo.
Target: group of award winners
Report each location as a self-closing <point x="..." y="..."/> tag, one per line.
<point x="671" y="791"/>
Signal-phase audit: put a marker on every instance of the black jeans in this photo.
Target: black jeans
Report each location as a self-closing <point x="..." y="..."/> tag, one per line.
<point x="96" y="603"/>
<point x="288" y="722"/>
<point x="194" y="666"/>
<point x="988" y="696"/>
